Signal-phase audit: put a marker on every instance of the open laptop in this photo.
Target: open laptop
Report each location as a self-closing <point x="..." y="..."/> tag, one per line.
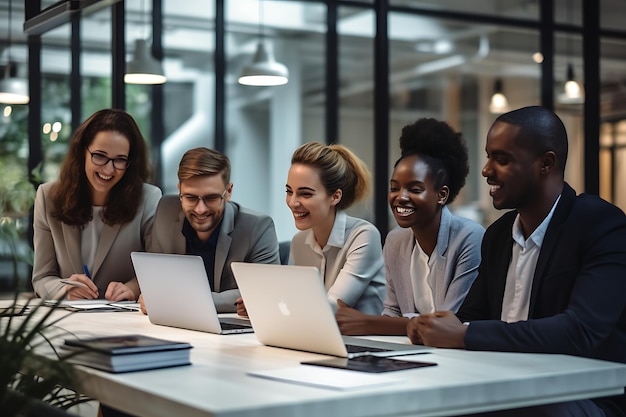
<point x="289" y="308"/>
<point x="177" y="293"/>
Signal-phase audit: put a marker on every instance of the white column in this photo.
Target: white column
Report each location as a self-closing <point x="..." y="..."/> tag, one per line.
<point x="196" y="131"/>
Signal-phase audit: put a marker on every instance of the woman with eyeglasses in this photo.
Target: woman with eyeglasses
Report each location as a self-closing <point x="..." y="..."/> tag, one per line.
<point x="88" y="222"/>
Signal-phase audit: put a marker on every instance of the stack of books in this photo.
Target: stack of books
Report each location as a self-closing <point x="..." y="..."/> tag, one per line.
<point x="126" y="353"/>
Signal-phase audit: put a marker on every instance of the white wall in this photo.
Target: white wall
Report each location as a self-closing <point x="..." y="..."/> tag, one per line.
<point x="195" y="132"/>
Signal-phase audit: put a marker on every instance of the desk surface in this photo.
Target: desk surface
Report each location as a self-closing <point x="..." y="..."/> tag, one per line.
<point x="216" y="384"/>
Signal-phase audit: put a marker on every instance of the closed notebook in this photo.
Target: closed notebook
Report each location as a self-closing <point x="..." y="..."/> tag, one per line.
<point x="127" y="353"/>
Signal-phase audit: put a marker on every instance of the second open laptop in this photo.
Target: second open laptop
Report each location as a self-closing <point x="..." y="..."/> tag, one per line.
<point x="289" y="308"/>
<point x="177" y="293"/>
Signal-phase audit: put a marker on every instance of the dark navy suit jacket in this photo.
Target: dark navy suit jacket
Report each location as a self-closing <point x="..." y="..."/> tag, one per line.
<point x="578" y="296"/>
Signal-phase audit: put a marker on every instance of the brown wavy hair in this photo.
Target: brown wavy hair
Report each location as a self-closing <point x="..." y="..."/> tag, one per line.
<point x="339" y="168"/>
<point x="72" y="197"/>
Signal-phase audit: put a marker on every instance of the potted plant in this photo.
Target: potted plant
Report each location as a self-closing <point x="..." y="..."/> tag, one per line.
<point x="30" y="383"/>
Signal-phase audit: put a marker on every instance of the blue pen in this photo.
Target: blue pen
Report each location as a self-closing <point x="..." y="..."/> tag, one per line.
<point x="86" y="271"/>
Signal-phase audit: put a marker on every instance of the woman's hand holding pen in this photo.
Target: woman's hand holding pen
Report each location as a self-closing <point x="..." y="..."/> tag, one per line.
<point x="80" y="287"/>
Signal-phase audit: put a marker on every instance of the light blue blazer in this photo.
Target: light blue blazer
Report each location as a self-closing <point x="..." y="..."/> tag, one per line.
<point x="456" y="265"/>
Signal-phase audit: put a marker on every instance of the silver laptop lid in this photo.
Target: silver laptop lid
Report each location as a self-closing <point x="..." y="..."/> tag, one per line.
<point x="289" y="308"/>
<point x="176" y="291"/>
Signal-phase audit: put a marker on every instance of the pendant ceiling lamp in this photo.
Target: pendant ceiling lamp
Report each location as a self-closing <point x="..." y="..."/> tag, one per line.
<point x="499" y="102"/>
<point x="13" y="90"/>
<point x="264" y="69"/>
<point x="143" y="68"/>
<point x="573" y="92"/>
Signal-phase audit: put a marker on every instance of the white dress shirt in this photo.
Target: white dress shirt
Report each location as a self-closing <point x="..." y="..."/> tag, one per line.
<point x="351" y="263"/>
<point x="422" y="280"/>
<point x="90" y="237"/>
<point x="519" y="279"/>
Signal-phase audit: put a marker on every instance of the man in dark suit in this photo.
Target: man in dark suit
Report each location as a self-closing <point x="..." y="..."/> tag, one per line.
<point x="553" y="273"/>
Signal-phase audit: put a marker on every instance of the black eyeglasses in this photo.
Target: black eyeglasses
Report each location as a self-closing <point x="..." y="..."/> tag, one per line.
<point x="211" y="200"/>
<point x="101" y="160"/>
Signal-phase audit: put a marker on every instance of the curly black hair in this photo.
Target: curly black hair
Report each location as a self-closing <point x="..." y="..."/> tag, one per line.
<point x="443" y="150"/>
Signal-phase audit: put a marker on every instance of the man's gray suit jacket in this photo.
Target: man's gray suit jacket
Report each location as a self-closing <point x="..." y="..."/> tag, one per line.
<point x="245" y="236"/>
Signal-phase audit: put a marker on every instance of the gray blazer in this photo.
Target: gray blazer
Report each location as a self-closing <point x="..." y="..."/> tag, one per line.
<point x="245" y="236"/>
<point x="458" y="257"/>
<point x="57" y="246"/>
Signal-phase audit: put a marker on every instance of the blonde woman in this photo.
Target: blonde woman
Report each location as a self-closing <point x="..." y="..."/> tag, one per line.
<point x="323" y="181"/>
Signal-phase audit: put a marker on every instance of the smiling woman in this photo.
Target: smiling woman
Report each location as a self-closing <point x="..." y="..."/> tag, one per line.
<point x="98" y="212"/>
<point x="322" y="182"/>
<point x="101" y="175"/>
<point x="432" y="259"/>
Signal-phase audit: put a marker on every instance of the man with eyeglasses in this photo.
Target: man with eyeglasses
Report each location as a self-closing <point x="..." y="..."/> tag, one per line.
<point x="203" y="221"/>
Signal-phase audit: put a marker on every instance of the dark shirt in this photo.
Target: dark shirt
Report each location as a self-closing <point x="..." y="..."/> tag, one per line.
<point x="206" y="249"/>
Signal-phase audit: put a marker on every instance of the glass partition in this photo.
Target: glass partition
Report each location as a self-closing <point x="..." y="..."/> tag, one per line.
<point x="55" y="97"/>
<point x="524" y="9"/>
<point x="266" y="124"/>
<point x="438" y="67"/>
<point x="356" y="29"/>
<point x="188" y="42"/>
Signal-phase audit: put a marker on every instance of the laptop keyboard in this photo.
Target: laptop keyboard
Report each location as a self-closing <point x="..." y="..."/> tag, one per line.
<point x="233" y="326"/>
<point x="361" y="349"/>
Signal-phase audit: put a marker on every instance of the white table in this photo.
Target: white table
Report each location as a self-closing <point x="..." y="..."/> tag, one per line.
<point x="216" y="383"/>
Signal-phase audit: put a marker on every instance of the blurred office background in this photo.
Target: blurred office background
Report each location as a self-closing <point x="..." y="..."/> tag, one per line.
<point x="359" y="70"/>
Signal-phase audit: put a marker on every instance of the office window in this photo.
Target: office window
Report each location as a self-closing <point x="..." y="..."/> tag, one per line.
<point x="266" y="124"/>
<point x="613" y="128"/>
<point x="568" y="12"/>
<point x="569" y="98"/>
<point x="613" y="162"/>
<point x="612" y="80"/>
<point x="189" y="95"/>
<point x="55" y="110"/>
<point x="56" y="66"/>
<point x="526" y="9"/>
<point x="448" y="70"/>
<point x="356" y="29"/>
<point x="612" y="15"/>
<point x="95" y="62"/>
